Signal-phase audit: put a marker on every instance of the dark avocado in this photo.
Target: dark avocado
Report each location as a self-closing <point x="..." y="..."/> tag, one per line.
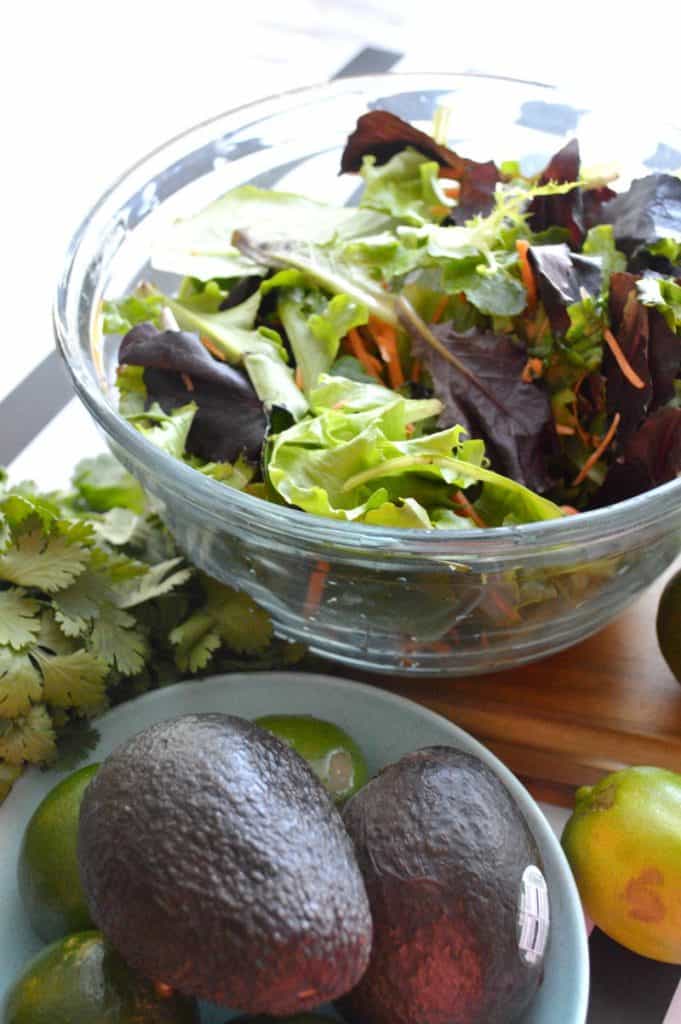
<point x="446" y="857"/>
<point x="213" y="859"/>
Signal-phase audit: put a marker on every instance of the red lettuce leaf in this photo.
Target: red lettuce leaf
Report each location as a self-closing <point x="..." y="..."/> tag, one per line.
<point x="382" y="135"/>
<point x="511" y="416"/>
<point x="230" y="418"/>
<point x="629" y="324"/>
<point x="577" y="210"/>
<point x="561" y="275"/>
<point x="648" y="211"/>
<point x="651" y="456"/>
<point x="664" y="357"/>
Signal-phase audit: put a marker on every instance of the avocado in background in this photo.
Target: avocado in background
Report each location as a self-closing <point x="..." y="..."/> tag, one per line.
<point x="49" y="881"/>
<point x="212" y="858"/>
<point x="669" y="624"/>
<point x="331" y="752"/>
<point x="457" y="895"/>
<point x="81" y="980"/>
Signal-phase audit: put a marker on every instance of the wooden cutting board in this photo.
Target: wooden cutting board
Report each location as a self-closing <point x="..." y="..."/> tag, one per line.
<point x="571" y="718"/>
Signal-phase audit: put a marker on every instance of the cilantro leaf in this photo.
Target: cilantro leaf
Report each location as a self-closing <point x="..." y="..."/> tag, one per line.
<point x="20" y="683"/>
<point x="73" y="680"/>
<point x="48" y="563"/>
<point x="104" y="484"/>
<point x="115" y="640"/>
<point x="30" y="737"/>
<point x="19" y="621"/>
<point x="157" y="580"/>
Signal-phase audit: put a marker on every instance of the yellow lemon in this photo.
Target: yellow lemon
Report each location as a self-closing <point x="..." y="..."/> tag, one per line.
<point x="623" y="842"/>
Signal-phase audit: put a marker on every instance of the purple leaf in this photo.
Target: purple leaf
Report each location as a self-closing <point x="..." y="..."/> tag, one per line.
<point x="652" y="456"/>
<point x="664" y="357"/>
<point x="516" y="424"/>
<point x="650" y="210"/>
<point x="629" y="324"/>
<point x="561" y="275"/>
<point x="230" y="418"/>
<point x="382" y="135"/>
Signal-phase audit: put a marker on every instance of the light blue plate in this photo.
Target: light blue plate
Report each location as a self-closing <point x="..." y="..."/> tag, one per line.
<point x="386" y="727"/>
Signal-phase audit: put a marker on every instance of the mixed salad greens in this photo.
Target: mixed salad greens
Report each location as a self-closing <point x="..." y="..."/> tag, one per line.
<point x="469" y="347"/>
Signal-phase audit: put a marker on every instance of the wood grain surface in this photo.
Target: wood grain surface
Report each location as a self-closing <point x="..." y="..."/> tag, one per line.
<point x="567" y="720"/>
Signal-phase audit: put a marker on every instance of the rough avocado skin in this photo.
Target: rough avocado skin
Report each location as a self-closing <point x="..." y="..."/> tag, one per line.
<point x="442" y="848"/>
<point x="213" y="859"/>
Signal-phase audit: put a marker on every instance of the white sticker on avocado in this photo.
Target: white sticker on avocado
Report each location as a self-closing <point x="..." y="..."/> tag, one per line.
<point x="533" y="915"/>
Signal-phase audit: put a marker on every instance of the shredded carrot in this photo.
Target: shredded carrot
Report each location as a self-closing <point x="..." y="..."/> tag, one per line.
<point x="299" y="378"/>
<point x="562" y="428"/>
<point x="415" y="375"/>
<point x="533" y="368"/>
<point x="358" y="349"/>
<point x="409" y="429"/>
<point x="214" y="351"/>
<point x="569" y="510"/>
<point x="526" y="274"/>
<point x="162" y="990"/>
<point x="386" y="340"/>
<point x="187" y="381"/>
<point x="439" y="310"/>
<point x="504" y="607"/>
<point x="622" y="360"/>
<point x="315" y="587"/>
<point x="467" y="509"/>
<point x="453" y="191"/>
<point x="339" y="405"/>
<point x="596" y="454"/>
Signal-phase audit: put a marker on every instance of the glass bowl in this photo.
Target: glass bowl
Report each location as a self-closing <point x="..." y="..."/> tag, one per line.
<point x="451" y="602"/>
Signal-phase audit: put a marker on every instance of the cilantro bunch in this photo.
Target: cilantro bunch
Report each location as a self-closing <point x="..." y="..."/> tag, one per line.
<point x="97" y="605"/>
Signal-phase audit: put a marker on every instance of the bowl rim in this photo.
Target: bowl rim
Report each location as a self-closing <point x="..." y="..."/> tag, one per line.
<point x="213" y="496"/>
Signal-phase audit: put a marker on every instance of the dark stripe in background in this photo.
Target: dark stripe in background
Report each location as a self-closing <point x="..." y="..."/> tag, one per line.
<point x="626" y="988"/>
<point x="33" y="403"/>
<point x="37" y="399"/>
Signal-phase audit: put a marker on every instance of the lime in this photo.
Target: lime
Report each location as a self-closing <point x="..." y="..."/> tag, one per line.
<point x="332" y="754"/>
<point x="81" y="980"/>
<point x="623" y="842"/>
<point x="49" y="882"/>
<point x="669" y="624"/>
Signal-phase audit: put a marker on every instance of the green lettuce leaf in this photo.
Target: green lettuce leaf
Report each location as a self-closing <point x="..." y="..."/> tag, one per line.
<point x="201" y="246"/>
<point x="406" y="187"/>
<point x="663" y="294"/>
<point x="166" y="430"/>
<point x="315" y="326"/>
<point x="349" y="461"/>
<point x="274" y="383"/>
<point x="120" y="315"/>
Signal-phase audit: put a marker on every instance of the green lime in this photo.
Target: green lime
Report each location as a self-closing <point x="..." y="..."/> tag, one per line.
<point x="81" y="980"/>
<point x="332" y="754"/>
<point x="49" y="881"/>
<point x="669" y="624"/>
<point x="623" y="842"/>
